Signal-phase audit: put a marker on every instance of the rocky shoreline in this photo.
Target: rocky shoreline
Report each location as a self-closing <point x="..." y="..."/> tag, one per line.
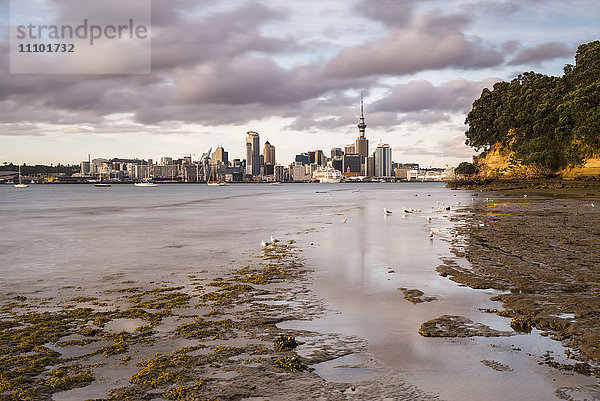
<point x="540" y="247"/>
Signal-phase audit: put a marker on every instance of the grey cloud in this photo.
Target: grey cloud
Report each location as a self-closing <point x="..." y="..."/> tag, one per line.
<point x="427" y="43"/>
<point x="422" y="95"/>
<point x="543" y="52"/>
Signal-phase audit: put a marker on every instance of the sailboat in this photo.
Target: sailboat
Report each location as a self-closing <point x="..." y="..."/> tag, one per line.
<point x="213" y="182"/>
<point x="20" y="184"/>
<point x="146" y="182"/>
<point x="100" y="182"/>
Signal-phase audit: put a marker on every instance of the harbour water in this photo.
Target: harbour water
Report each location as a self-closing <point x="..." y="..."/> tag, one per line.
<point x="76" y="235"/>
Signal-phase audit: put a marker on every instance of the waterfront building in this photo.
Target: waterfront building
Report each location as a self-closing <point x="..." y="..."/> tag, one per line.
<point x="370" y="166"/>
<point x="165" y="161"/>
<point x="85" y="167"/>
<point x="96" y="164"/>
<point x="279" y="173"/>
<point x="338" y="164"/>
<point x="383" y="160"/>
<point x="252" y="153"/>
<point x="351" y="165"/>
<point x="269" y="154"/>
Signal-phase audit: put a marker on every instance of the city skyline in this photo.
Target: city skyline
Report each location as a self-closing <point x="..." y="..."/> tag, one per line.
<point x="223" y="69"/>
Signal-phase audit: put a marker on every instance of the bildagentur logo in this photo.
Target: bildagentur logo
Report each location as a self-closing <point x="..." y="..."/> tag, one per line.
<point x="80" y="37"/>
<point x="83" y="31"/>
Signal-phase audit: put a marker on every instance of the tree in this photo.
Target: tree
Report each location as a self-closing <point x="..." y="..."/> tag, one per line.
<point x="465" y="168"/>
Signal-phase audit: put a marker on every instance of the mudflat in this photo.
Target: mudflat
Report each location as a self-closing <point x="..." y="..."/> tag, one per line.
<point x="541" y="249"/>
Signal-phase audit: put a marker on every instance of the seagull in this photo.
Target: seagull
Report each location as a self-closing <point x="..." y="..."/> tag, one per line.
<point x="273" y="240"/>
<point x="429" y="219"/>
<point x="593" y="204"/>
<point x="386" y="212"/>
<point x="265" y="244"/>
<point x="525" y="196"/>
<point x="481" y="224"/>
<point x="344" y="220"/>
<point x="405" y="210"/>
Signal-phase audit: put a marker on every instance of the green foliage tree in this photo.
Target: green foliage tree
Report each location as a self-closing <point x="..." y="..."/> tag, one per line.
<point x="547" y="122"/>
<point x="465" y="168"/>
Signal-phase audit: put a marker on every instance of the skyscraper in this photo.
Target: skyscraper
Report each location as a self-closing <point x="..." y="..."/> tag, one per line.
<point x="252" y="153"/>
<point x="269" y="154"/>
<point x="362" y="143"/>
<point x="220" y="155"/>
<point x="383" y="160"/>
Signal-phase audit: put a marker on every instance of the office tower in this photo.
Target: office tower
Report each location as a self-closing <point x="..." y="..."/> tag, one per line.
<point x="252" y="153"/>
<point x="370" y="172"/>
<point x="351" y="165"/>
<point x="383" y="160"/>
<point x="362" y="143"/>
<point x="302" y="158"/>
<point x="85" y="167"/>
<point x="165" y="161"/>
<point x="336" y="153"/>
<point x="350" y="149"/>
<point x="269" y="154"/>
<point x="220" y="156"/>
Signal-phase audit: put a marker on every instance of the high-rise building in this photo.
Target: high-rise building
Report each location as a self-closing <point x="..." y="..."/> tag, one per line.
<point x="336" y="153"/>
<point x="220" y="156"/>
<point x="362" y="143"/>
<point x="85" y="167"/>
<point x="252" y="153"/>
<point x="383" y="160"/>
<point x="351" y="165"/>
<point x="269" y="154"/>
<point x="350" y="149"/>
<point x="302" y="158"/>
<point x="370" y="172"/>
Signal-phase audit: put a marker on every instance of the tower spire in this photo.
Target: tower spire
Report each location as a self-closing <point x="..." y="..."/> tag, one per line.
<point x="361" y="124"/>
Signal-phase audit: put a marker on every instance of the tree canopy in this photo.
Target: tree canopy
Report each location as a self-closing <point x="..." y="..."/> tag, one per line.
<point x="548" y="122"/>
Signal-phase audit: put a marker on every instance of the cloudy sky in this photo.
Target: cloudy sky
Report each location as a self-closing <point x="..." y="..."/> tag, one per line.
<point x="293" y="71"/>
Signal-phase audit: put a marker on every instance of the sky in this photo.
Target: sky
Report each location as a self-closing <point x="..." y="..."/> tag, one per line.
<point x="293" y="71"/>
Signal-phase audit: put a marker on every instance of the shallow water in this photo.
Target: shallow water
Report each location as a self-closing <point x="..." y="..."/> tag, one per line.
<point x="81" y="237"/>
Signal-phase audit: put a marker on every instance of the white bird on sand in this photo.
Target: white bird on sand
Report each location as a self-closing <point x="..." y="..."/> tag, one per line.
<point x="265" y="244"/>
<point x="428" y="219"/>
<point x="481" y="224"/>
<point x="593" y="204"/>
<point x="274" y="240"/>
<point x="386" y="212"/>
<point x="431" y="233"/>
<point x="525" y="196"/>
<point x="344" y="220"/>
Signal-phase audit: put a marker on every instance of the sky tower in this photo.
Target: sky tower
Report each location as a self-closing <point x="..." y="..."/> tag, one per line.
<point x="362" y="143"/>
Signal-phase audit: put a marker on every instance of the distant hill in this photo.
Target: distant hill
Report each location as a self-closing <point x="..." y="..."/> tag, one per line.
<point x="540" y="125"/>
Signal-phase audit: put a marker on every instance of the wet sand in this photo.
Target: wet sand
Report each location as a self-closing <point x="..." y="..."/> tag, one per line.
<point x="193" y="338"/>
